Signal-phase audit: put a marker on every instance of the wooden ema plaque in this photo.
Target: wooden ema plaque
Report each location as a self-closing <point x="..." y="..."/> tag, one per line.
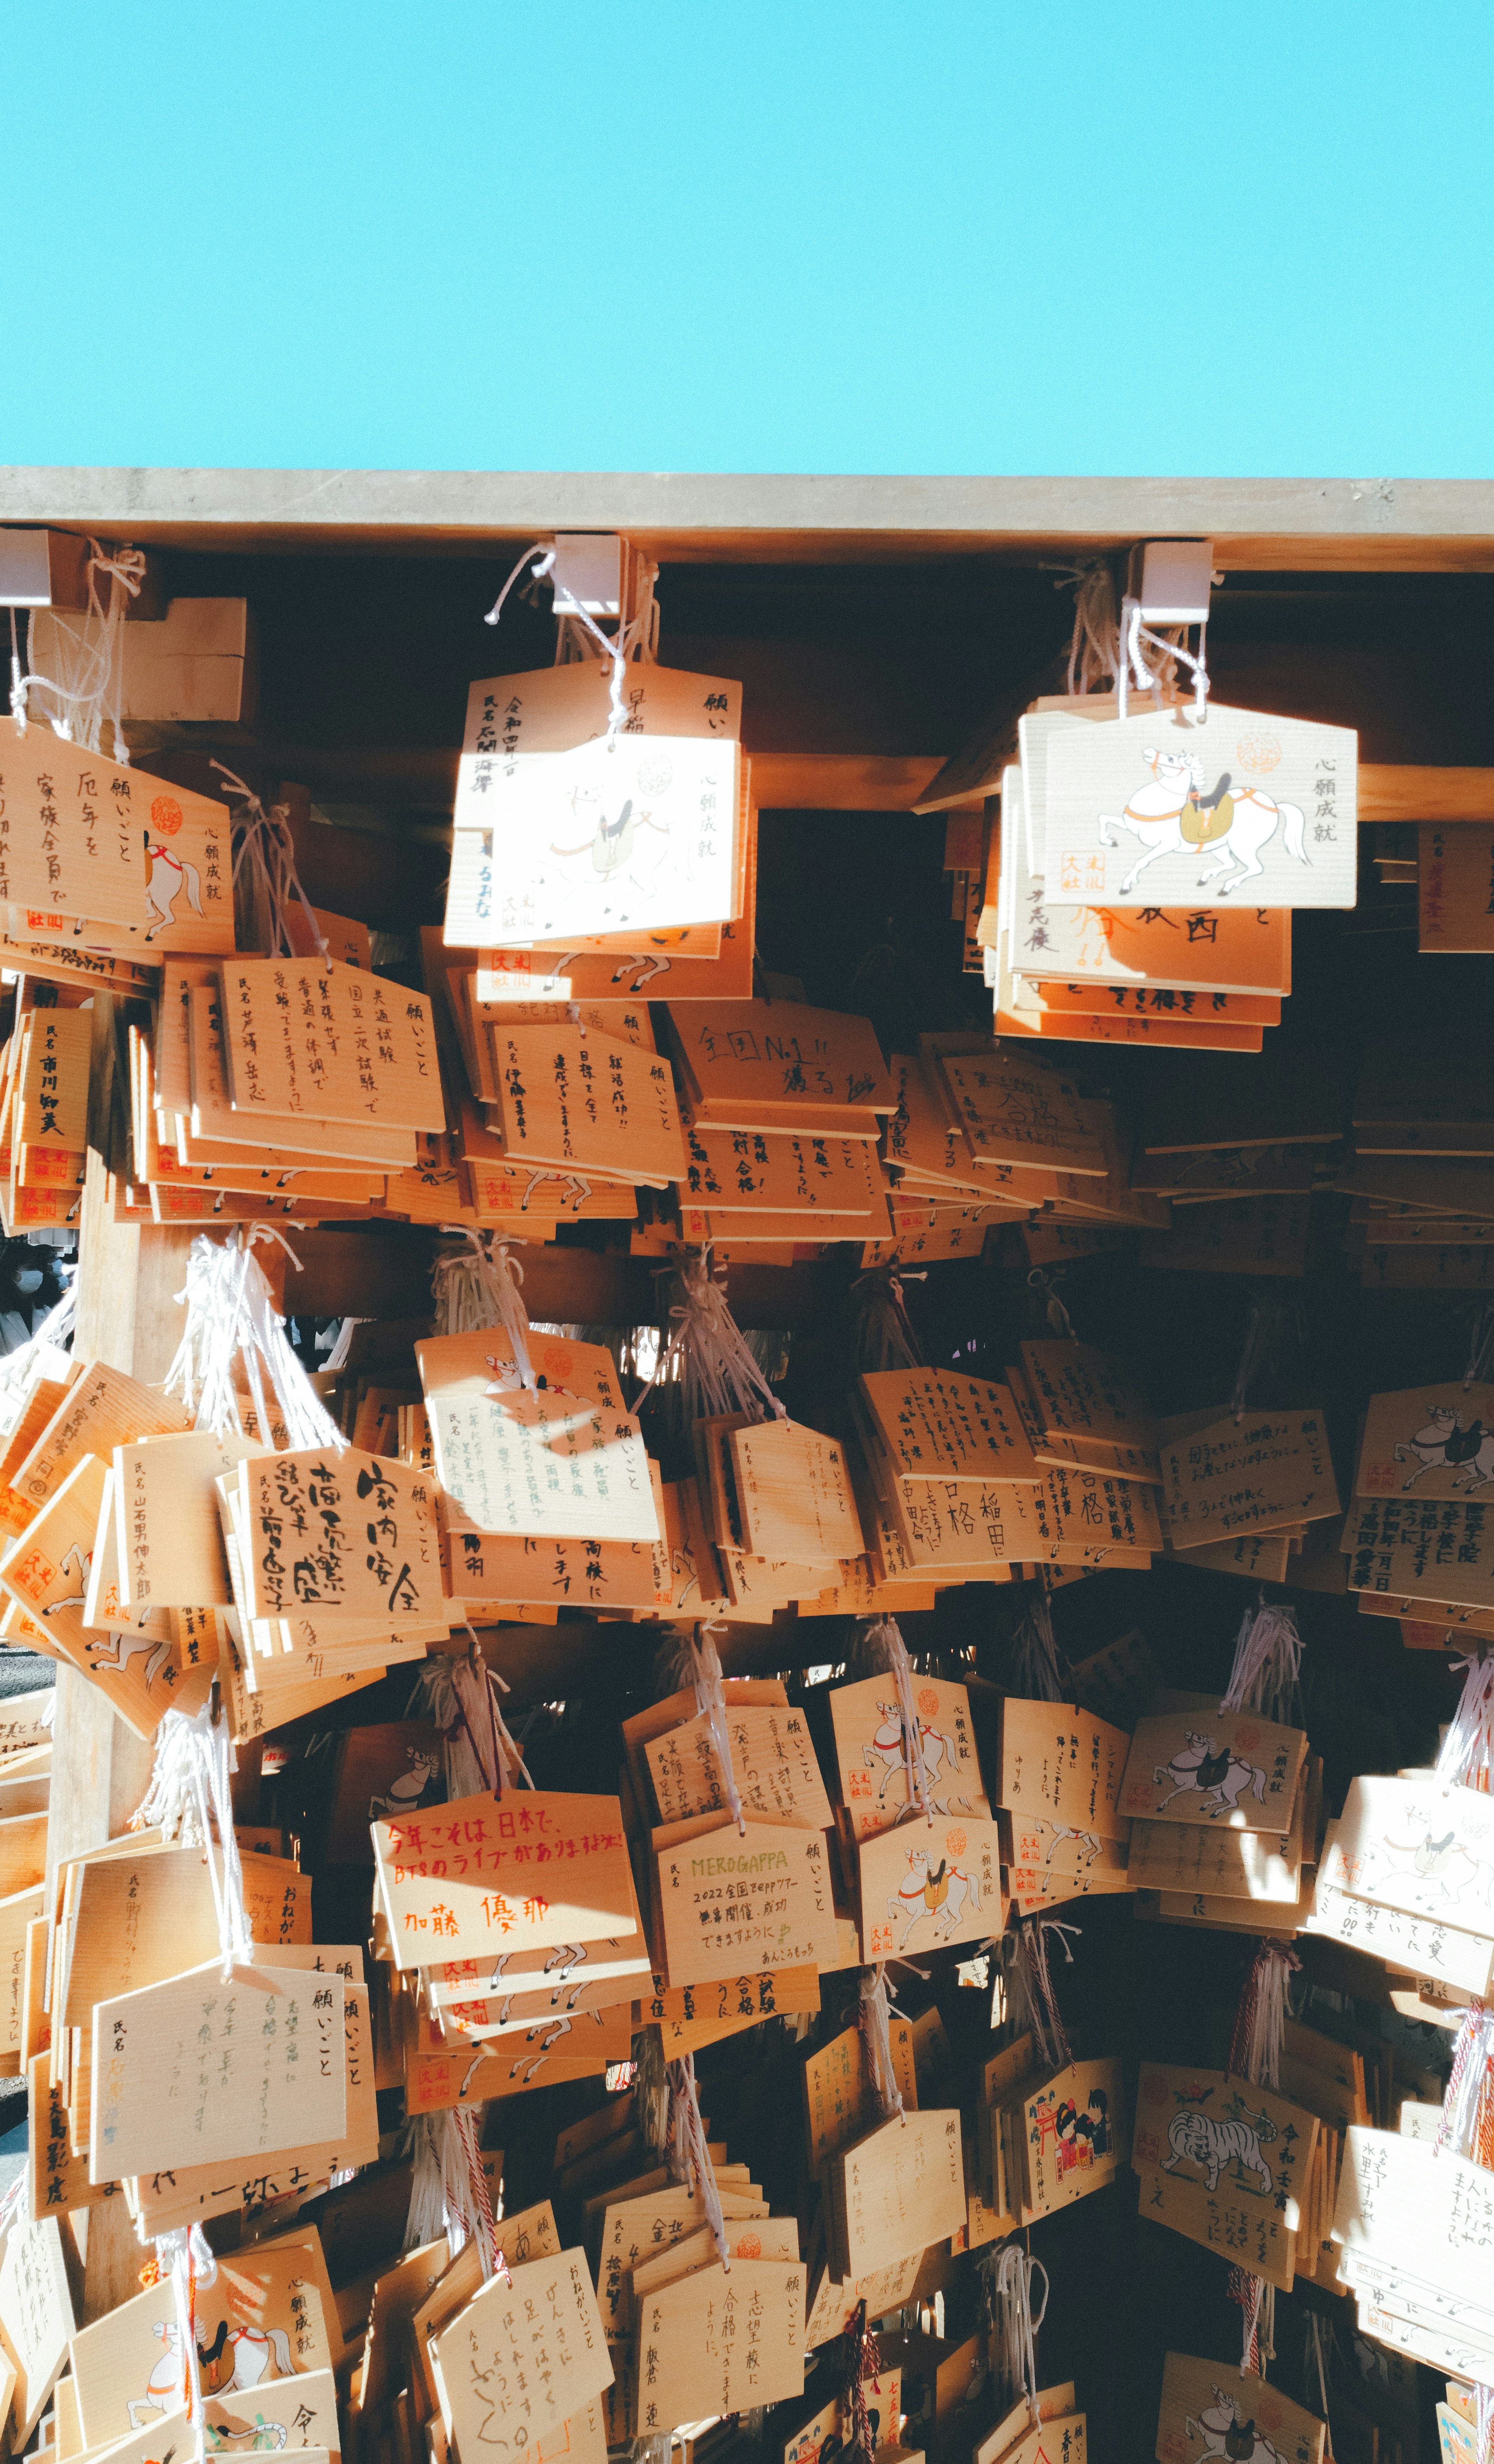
<point x="524" y="2355"/>
<point x="1231" y="1768"/>
<point x="562" y="830"/>
<point x="1224" y="2164"/>
<point x="194" y="2071"/>
<point x="91" y="852"/>
<point x="309" y="1041"/>
<point x="533" y="1872"/>
<point x="1221" y="2403"/>
<point x="1063" y="1767"/>
<point x="351" y="1534"/>
<point x="1169" y="805"/>
<point x="721" y="2342"/>
<point x="755" y="1898"/>
<point x="580" y="1103"/>
<point x="898" y="2188"/>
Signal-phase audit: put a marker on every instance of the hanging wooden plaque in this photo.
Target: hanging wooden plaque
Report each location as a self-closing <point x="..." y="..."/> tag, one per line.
<point x="534" y="1871"/>
<point x="1160" y="807"/>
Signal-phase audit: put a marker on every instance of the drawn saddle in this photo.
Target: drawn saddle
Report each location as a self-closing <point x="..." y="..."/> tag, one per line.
<point x="936" y="1887"/>
<point x="1213" y="1769"/>
<point x="1207" y="817"/>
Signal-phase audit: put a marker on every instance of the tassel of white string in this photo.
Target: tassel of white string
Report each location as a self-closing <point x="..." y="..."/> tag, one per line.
<point x="1267" y="1661"/>
<point x="56" y="1327"/>
<point x="1045" y="1286"/>
<point x="1470" y="2082"/>
<point x="651" y="2092"/>
<point x="1037" y="1667"/>
<point x="1467" y="1750"/>
<point x="1319" y="2351"/>
<point x="877" y="2038"/>
<point x="478" y="1286"/>
<point x="1254" y="2054"/>
<point x="265" y="878"/>
<point x="1481" y="1346"/>
<point x="689" y="2151"/>
<point x="698" y="1664"/>
<point x="1033" y="1974"/>
<point x="189" y="1799"/>
<point x="185" y="2257"/>
<point x="461" y="1696"/>
<point x="708" y="1354"/>
<point x="448" y="2191"/>
<point x="339" y="1345"/>
<point x="1483" y="2420"/>
<point x="89" y="686"/>
<point x="1264" y="1327"/>
<point x="882" y="1337"/>
<point x="1008" y="2275"/>
<point x="541" y="558"/>
<point x="1094" y="650"/>
<point x="882" y="1646"/>
<point x="231" y="1316"/>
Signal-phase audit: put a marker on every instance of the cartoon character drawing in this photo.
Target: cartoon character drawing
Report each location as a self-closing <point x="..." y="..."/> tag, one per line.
<point x="167" y="872"/>
<point x="940" y="1892"/>
<point x="418" y="1786"/>
<point x="1199" y="2139"/>
<point x="252" y="2353"/>
<point x="1225" y="2434"/>
<point x="1216" y="1774"/>
<point x="1172" y="814"/>
<point x="1443" y="1447"/>
<point x="887" y="1748"/>
<point x="1093" y="2125"/>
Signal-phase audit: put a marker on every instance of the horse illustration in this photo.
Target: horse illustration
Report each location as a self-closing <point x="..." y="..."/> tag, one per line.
<point x="251" y="2357"/>
<point x="1223" y="2433"/>
<point x="939" y="1892"/>
<point x="1445" y="1866"/>
<point x="887" y="1748"/>
<point x="1217" y="1775"/>
<point x="408" y="1793"/>
<point x="1086" y="1839"/>
<point x="611" y="844"/>
<point x="253" y="2352"/>
<point x="121" y="1648"/>
<point x="1172" y="815"/>
<point x="1200" y="2139"/>
<point x="1442" y="1445"/>
<point x="167" y="871"/>
<point x="82" y="1560"/>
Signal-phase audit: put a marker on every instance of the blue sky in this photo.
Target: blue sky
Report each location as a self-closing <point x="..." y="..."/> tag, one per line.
<point x="935" y="238"/>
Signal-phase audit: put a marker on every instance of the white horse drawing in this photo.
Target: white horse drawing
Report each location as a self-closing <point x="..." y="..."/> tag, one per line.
<point x="1156" y="815"/>
<point x="1443" y="1447"/>
<point x="1223" y="2433"/>
<point x="406" y="1794"/>
<point x="81" y="1562"/>
<point x="253" y="2350"/>
<point x="1217" y="1775"/>
<point x="121" y="1648"/>
<point x="163" y="884"/>
<point x="940" y="1893"/>
<point x="1443" y="1865"/>
<point x="1085" y="1839"/>
<point x="887" y="1748"/>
